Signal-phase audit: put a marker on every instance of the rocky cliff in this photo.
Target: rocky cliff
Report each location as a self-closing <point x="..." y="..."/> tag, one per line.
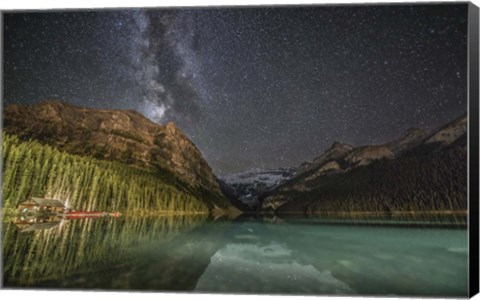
<point x="118" y="135"/>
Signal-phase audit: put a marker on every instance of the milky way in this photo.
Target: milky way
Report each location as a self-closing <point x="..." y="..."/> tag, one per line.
<point x="252" y="87"/>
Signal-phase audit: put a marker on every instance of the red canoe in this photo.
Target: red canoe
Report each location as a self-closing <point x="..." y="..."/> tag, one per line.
<point x="90" y="214"/>
<point x="85" y="214"/>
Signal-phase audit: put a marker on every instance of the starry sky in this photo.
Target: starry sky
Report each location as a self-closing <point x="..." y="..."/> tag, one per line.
<point x="253" y="87"/>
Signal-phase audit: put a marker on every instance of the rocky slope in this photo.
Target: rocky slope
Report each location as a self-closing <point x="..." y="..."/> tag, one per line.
<point x="416" y="172"/>
<point x="450" y="132"/>
<point x="336" y="151"/>
<point x="118" y="135"/>
<point x="411" y="138"/>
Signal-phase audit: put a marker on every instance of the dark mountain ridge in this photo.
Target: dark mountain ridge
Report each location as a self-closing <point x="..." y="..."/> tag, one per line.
<point x="416" y="172"/>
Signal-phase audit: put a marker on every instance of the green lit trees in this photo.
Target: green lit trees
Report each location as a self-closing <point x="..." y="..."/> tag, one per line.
<point x="85" y="183"/>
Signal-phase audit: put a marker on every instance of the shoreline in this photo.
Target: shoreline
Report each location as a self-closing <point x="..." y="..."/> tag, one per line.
<point x="374" y="213"/>
<point x="418" y="219"/>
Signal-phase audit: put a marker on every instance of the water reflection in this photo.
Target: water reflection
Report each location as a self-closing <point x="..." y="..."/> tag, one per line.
<point x="309" y="257"/>
<point x="83" y="245"/>
<point x="26" y="223"/>
<point x="192" y="253"/>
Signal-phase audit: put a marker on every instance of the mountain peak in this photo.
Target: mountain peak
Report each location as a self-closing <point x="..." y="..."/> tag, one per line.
<point x="172" y="127"/>
<point x="337" y="145"/>
<point x="409" y="138"/>
<point x="57" y="104"/>
<point x="364" y="155"/>
<point x="53" y="102"/>
<point x="413" y="131"/>
<point x="336" y="150"/>
<point x="450" y="132"/>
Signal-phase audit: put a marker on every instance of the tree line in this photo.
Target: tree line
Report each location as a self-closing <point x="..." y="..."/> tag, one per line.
<point x="426" y="183"/>
<point x="86" y="183"/>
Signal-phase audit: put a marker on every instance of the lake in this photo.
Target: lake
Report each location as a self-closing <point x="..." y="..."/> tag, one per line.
<point x="246" y="255"/>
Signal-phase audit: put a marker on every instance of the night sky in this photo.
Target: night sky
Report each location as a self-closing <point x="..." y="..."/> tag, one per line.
<point x="252" y="87"/>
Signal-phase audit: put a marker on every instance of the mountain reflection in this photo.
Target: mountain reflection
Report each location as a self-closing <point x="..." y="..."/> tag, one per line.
<point x="311" y="257"/>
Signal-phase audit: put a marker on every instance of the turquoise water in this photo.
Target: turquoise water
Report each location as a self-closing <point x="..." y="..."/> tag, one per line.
<point x="242" y="256"/>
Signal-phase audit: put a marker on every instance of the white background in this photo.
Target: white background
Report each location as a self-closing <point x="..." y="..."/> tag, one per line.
<point x="76" y="295"/>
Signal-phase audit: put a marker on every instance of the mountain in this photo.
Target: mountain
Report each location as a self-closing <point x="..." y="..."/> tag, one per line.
<point x="416" y="172"/>
<point x="249" y="185"/>
<point x="410" y="138"/>
<point x="336" y="151"/>
<point x="365" y="155"/>
<point x="450" y="132"/>
<point x="116" y="135"/>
